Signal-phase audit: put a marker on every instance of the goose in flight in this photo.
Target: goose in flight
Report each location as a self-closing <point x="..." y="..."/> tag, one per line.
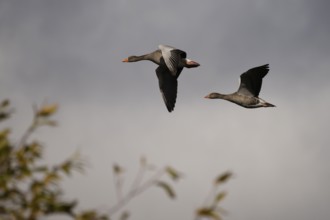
<point x="170" y="63"/>
<point x="247" y="94"/>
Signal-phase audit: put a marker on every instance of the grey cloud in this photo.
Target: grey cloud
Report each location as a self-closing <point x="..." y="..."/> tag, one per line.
<point x="71" y="52"/>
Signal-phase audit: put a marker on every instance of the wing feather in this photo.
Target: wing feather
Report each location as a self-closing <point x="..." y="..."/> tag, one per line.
<point x="173" y="59"/>
<point x="168" y="86"/>
<point x="251" y="80"/>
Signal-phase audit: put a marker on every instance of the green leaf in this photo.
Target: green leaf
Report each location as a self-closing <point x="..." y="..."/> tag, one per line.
<point x="4" y="133"/>
<point x="66" y="167"/>
<point x="35" y="149"/>
<point x="117" y="169"/>
<point x="223" y="177"/>
<point x="90" y="215"/>
<point x="4" y="143"/>
<point x="5" y="112"/>
<point x="167" y="188"/>
<point x="41" y="169"/>
<point x="209" y="213"/>
<point x="52" y="177"/>
<point x="61" y="207"/>
<point x="172" y="173"/>
<point x="5" y="103"/>
<point x="219" y="197"/>
<point x="36" y="187"/>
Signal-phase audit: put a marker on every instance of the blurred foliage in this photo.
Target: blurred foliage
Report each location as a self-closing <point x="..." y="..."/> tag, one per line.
<point x="30" y="190"/>
<point x="211" y="208"/>
<point x="141" y="184"/>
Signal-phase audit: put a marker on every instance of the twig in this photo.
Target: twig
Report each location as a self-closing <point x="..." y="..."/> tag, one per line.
<point x="210" y="195"/>
<point x="118" y="185"/>
<point x="135" y="191"/>
<point x="29" y="131"/>
<point x="139" y="176"/>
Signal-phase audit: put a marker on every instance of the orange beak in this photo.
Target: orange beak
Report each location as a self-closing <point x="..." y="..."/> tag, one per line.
<point x="125" y="60"/>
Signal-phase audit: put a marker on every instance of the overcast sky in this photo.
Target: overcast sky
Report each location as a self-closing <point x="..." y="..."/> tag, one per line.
<point x="70" y="52"/>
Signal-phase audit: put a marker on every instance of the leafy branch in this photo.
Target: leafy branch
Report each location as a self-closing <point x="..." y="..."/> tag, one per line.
<point x="140" y="185"/>
<point x="30" y="190"/>
<point x="211" y="207"/>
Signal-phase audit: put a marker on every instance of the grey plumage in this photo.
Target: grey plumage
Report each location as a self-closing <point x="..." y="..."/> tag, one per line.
<point x="247" y="94"/>
<point x="171" y="62"/>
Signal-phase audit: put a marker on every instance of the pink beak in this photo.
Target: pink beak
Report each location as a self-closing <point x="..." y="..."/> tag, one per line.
<point x="191" y="64"/>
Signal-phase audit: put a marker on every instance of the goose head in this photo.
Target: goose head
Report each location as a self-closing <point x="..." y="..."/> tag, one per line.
<point x="131" y="59"/>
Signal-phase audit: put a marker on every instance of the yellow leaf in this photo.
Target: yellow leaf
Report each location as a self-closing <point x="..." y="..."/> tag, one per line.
<point x="209" y="213"/>
<point x="47" y="110"/>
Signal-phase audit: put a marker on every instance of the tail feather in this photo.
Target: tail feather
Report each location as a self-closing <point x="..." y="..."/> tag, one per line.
<point x="265" y="104"/>
<point x="268" y="105"/>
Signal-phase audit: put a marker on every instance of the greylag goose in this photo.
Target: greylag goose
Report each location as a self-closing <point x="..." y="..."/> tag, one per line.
<point x="170" y="63"/>
<point x="247" y="94"/>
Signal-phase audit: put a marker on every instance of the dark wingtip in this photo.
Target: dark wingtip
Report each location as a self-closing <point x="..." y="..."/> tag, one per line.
<point x="170" y="108"/>
<point x="264" y="67"/>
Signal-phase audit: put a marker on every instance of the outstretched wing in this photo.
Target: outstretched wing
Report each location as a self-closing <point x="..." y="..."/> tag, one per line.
<point x="251" y="80"/>
<point x="168" y="86"/>
<point x="173" y="59"/>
